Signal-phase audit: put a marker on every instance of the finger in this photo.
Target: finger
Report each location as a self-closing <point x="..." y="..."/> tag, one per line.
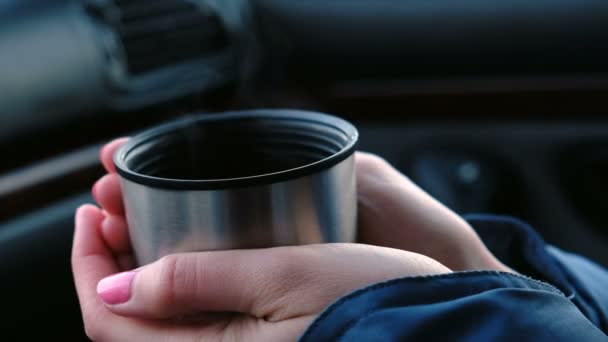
<point x="93" y="261"/>
<point x="179" y="285"/>
<point x="106" y="154"/>
<point x="256" y="282"/>
<point x="395" y="212"/>
<point x="108" y="194"/>
<point x="386" y="196"/>
<point x="115" y="234"/>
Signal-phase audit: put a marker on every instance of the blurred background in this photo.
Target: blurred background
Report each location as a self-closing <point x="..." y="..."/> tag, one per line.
<point x="491" y="106"/>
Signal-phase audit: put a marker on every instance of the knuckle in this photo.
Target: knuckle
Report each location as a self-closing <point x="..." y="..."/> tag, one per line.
<point x="373" y="173"/>
<point x="169" y="280"/>
<point x="295" y="274"/>
<point x="277" y="284"/>
<point x="372" y="163"/>
<point x="286" y="264"/>
<point x="292" y="268"/>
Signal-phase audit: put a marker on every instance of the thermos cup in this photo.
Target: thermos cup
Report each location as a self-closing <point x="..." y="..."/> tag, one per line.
<point x="249" y="179"/>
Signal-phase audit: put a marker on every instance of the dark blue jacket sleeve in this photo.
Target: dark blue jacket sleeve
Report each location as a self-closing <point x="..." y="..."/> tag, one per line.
<point x="516" y="244"/>
<point x="567" y="302"/>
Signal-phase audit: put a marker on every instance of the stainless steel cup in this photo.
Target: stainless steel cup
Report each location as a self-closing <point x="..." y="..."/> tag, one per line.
<point x="249" y="179"/>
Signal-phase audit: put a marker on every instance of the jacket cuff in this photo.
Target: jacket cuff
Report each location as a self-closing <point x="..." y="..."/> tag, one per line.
<point x="465" y="306"/>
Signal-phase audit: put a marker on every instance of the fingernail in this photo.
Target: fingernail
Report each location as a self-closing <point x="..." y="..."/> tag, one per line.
<point x="116" y="289"/>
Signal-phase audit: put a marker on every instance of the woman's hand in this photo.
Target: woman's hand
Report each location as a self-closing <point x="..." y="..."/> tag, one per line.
<point x="272" y="294"/>
<point x="254" y="295"/>
<point x="393" y="212"/>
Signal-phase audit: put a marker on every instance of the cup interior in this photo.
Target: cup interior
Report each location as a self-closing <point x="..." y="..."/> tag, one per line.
<point x="237" y="146"/>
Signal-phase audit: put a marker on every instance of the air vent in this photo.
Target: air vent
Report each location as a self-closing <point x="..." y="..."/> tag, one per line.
<point x="161" y="33"/>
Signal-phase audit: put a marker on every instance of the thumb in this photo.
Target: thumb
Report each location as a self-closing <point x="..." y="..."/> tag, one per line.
<point x="187" y="283"/>
<point x="273" y="284"/>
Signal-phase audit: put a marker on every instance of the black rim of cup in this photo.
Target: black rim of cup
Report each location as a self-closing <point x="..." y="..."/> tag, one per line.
<point x="321" y="141"/>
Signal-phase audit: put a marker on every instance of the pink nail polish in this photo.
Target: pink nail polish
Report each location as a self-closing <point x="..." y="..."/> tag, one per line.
<point x="116" y="289"/>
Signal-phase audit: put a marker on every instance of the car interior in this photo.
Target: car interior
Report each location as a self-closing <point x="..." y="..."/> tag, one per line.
<point x="491" y="107"/>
